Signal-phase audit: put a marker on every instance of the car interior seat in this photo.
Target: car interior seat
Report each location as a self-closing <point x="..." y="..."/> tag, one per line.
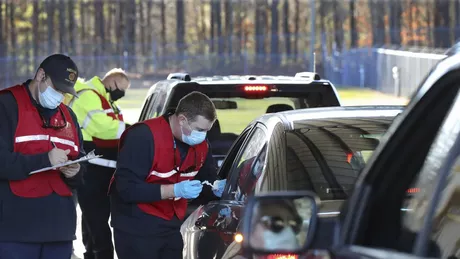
<point x="220" y="142"/>
<point x="280" y="107"/>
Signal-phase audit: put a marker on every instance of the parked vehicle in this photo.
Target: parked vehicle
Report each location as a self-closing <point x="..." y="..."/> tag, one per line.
<point x="320" y="149"/>
<point x="420" y="152"/>
<point x="240" y="99"/>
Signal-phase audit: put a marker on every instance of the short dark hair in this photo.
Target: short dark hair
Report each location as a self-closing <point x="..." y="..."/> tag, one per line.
<point x="195" y="104"/>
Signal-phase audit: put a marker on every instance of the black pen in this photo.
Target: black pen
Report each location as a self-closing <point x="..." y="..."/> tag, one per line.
<point x="52" y="143"/>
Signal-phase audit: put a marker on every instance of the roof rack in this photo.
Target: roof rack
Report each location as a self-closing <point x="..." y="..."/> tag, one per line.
<point x="179" y="76"/>
<point x="308" y="75"/>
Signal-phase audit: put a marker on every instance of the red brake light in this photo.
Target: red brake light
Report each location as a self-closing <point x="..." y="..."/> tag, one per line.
<point x="255" y="88"/>
<point x="281" y="256"/>
<point x="413" y="190"/>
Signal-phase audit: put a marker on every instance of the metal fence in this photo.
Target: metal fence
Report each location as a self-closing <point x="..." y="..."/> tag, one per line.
<point x="396" y="72"/>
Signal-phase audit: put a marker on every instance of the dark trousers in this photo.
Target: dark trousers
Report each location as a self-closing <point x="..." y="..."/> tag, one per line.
<point x="54" y="250"/>
<point x="95" y="207"/>
<point x="130" y="246"/>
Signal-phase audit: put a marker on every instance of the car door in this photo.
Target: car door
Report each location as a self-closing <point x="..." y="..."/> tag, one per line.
<point x="415" y="147"/>
<point x="206" y="229"/>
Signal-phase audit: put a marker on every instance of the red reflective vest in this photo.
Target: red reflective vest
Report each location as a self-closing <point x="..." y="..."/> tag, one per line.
<point x="32" y="138"/>
<point x="116" y="115"/>
<point x="163" y="170"/>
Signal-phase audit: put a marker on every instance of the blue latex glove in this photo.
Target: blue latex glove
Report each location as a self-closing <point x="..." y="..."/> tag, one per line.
<point x="220" y="187"/>
<point x="225" y="212"/>
<point x="188" y="189"/>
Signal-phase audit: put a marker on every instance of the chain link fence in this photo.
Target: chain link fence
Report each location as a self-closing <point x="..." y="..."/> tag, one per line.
<point x="395" y="72"/>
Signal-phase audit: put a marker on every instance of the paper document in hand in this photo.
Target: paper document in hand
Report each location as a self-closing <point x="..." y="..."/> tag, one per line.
<point x="89" y="156"/>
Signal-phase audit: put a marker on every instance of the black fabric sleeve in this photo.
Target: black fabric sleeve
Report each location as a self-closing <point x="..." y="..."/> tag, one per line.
<point x="15" y="166"/>
<point x="75" y="181"/>
<point x="133" y="166"/>
<point x="208" y="172"/>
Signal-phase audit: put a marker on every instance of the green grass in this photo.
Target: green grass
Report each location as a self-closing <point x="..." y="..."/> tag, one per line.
<point x="236" y="120"/>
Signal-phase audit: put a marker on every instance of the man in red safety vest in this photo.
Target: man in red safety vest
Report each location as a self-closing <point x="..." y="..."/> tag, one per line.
<point x="37" y="212"/>
<point x="157" y="164"/>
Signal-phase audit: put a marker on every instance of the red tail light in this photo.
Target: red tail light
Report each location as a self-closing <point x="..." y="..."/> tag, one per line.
<point x="281" y="256"/>
<point x="413" y="190"/>
<point x="255" y="88"/>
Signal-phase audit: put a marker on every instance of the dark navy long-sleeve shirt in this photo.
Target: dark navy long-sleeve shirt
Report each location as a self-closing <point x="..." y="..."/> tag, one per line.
<point x="44" y="219"/>
<point x="133" y="166"/>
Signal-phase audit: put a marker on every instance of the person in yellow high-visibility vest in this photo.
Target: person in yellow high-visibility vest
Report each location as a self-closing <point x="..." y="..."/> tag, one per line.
<point x="102" y="124"/>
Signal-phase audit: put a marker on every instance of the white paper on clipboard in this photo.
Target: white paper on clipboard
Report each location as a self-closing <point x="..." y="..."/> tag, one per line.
<point x="89" y="156"/>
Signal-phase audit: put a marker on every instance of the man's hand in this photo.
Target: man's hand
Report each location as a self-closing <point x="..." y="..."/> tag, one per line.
<point x="188" y="189"/>
<point x="58" y="156"/>
<point x="70" y="170"/>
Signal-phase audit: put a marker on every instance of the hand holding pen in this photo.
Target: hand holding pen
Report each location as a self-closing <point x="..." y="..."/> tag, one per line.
<point x="57" y="156"/>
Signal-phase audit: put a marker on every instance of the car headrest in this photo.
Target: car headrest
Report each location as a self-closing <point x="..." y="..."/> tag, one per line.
<point x="281" y="107"/>
<point x="214" y="132"/>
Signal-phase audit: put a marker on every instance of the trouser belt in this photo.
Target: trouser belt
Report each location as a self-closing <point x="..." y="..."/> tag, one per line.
<point x="103" y="162"/>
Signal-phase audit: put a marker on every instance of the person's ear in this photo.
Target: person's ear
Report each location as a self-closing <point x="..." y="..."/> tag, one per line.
<point x="40" y="75"/>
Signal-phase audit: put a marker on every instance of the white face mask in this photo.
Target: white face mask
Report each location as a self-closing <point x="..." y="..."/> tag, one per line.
<point x="284" y="240"/>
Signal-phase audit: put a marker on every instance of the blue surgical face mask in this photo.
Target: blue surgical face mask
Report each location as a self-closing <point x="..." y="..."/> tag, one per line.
<point x="285" y="240"/>
<point x="195" y="138"/>
<point x="50" y="98"/>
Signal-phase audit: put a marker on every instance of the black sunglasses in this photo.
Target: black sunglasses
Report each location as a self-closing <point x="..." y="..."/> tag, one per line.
<point x="276" y="224"/>
<point x="48" y="125"/>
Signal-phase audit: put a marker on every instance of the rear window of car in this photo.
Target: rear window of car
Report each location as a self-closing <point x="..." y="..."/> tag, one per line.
<point x="327" y="156"/>
<point x="238" y="105"/>
<point x="235" y="119"/>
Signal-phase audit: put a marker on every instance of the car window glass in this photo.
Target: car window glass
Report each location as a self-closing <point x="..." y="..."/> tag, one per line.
<point x="157" y="105"/>
<point x="147" y="107"/>
<point x="445" y="237"/>
<point x="326" y="156"/>
<point x="248" y="166"/>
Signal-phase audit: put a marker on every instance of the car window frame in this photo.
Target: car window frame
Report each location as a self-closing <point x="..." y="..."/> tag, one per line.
<point x="147" y="106"/>
<point x="356" y="214"/>
<point x="231" y="178"/>
<point x="448" y="162"/>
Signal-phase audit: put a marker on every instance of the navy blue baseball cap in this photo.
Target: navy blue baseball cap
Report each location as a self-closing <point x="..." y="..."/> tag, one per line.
<point x="62" y="71"/>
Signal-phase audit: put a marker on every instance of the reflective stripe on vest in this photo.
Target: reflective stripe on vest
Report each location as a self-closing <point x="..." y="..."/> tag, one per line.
<point x="46" y="137"/>
<point x="172" y="172"/>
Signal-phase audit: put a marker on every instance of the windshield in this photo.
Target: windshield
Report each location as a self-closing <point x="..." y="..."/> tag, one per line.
<point x="326" y="156"/>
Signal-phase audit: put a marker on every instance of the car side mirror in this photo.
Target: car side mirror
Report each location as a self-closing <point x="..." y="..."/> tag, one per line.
<point x="279" y="223"/>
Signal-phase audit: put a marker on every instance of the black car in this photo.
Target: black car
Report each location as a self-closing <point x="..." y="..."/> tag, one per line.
<point x="420" y="153"/>
<point x="249" y="96"/>
<point x="320" y="149"/>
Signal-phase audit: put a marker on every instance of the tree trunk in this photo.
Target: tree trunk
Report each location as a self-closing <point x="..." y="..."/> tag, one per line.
<point x="163" y="30"/>
<point x="14" y="40"/>
<point x="441" y="24"/>
<point x="180" y="28"/>
<point x="275" y="60"/>
<point x="50" y="19"/>
<point x="338" y="25"/>
<point x="229" y="26"/>
<point x="395" y="22"/>
<point x="377" y="9"/>
<point x="296" y="30"/>
<point x="72" y="31"/>
<point x="353" y="29"/>
<point x="286" y="30"/>
<point x="63" y="48"/>
<point x="35" y="33"/>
